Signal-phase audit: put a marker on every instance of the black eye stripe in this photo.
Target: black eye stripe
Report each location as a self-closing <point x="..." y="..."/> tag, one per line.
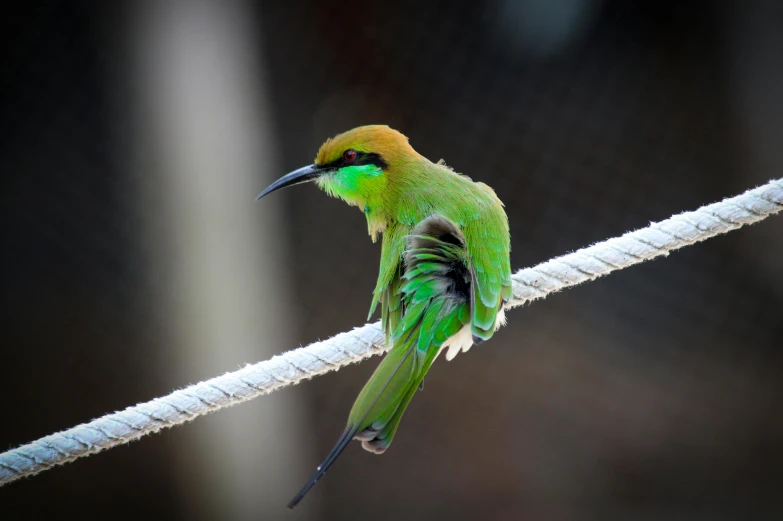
<point x="362" y="158"/>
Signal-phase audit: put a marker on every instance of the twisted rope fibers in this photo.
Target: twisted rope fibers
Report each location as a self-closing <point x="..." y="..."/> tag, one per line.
<point x="353" y="346"/>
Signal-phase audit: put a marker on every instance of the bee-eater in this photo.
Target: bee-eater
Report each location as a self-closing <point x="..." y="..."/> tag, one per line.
<point x="445" y="273"/>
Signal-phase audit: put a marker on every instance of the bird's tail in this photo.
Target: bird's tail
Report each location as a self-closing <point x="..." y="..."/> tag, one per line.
<point x="379" y="408"/>
<point x="436" y="309"/>
<point x="393" y="374"/>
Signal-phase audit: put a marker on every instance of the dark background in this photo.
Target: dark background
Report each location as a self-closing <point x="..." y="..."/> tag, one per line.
<point x="652" y="394"/>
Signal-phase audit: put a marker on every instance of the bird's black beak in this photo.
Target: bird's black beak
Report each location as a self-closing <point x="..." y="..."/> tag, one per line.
<point x="302" y="175"/>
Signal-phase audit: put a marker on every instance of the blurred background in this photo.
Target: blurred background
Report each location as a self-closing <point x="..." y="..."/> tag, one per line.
<point x="134" y="137"/>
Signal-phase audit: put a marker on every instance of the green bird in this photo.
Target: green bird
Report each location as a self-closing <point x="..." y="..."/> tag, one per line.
<point x="445" y="273"/>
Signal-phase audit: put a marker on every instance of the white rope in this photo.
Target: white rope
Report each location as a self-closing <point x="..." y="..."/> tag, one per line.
<point x="329" y="355"/>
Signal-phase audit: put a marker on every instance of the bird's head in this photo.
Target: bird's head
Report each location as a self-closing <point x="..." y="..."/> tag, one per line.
<point x="355" y="166"/>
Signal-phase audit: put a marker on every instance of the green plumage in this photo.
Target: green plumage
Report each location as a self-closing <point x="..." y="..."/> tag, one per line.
<point x="476" y="211"/>
<point x="444" y="272"/>
<point x="431" y="317"/>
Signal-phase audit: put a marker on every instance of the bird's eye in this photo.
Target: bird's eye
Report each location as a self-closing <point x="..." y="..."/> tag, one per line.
<point x="349" y="155"/>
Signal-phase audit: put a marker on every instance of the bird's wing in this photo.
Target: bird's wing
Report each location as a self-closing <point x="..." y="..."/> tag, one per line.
<point x="392" y="307"/>
<point x="488" y="251"/>
<point x="434" y="290"/>
<point x="436" y="277"/>
<point x="387" y="288"/>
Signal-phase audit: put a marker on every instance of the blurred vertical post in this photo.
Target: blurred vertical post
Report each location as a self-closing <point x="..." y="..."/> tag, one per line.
<point x="215" y="255"/>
